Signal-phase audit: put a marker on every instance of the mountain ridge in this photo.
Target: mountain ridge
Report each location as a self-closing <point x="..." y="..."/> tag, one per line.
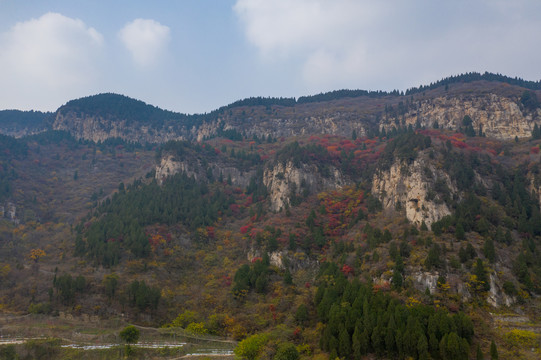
<point x="103" y="111"/>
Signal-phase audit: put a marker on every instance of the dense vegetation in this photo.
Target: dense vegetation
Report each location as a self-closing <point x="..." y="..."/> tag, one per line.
<point x="335" y="272"/>
<point x="18" y="120"/>
<point x="475" y="76"/>
<point x="10" y="149"/>
<point x="360" y="321"/>
<point x="120" y="107"/>
<point x="122" y="219"/>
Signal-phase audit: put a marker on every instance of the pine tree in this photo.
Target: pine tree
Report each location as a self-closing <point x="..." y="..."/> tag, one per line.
<point x="356" y="342"/>
<point x="459" y="231"/>
<point x="493" y="351"/>
<point x="479" y="355"/>
<point x="422" y="347"/>
<point x="536" y="133"/>
<point x="489" y="250"/>
<point x="344" y="340"/>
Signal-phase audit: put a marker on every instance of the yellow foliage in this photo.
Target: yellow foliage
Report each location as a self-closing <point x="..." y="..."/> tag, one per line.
<point x="5" y="270"/>
<point x="444" y="287"/>
<point x="411" y="302"/>
<point x="522" y="339"/>
<point x="36" y="254"/>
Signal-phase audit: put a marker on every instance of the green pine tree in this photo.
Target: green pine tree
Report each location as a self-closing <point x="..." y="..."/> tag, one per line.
<point x="493" y="351"/>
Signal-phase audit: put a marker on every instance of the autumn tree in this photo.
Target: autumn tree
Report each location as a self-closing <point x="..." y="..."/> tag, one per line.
<point x="36" y="254"/>
<point x="250" y="347"/>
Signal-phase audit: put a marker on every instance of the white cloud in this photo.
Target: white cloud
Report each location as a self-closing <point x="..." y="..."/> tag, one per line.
<point x="284" y="27"/>
<point x="145" y="39"/>
<point x="46" y="58"/>
<point x="392" y="44"/>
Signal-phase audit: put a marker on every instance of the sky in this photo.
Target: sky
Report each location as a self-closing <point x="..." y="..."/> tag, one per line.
<point x="193" y="56"/>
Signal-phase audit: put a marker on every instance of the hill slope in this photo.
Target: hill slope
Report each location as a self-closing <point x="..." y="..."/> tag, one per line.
<point x="398" y="235"/>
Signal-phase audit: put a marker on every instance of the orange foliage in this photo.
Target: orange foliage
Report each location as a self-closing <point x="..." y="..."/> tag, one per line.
<point x="36" y="254"/>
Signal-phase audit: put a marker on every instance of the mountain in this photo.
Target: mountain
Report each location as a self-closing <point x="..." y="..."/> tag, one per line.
<point x="350" y="224"/>
<point x="499" y="105"/>
<point x="18" y="123"/>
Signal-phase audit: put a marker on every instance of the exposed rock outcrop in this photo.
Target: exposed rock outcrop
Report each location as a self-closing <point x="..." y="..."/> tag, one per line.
<point x="410" y="187"/>
<point x="284" y="180"/>
<point x="496" y="296"/>
<point x="499" y="117"/>
<point x="169" y="165"/>
<point x="97" y="128"/>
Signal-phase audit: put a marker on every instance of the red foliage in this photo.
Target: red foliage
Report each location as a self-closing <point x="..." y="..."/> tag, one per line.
<point x="429" y="132"/>
<point x="226" y="280"/>
<point x="385" y="286"/>
<point x="210" y="232"/>
<point x="307" y="285"/>
<point x="347" y="270"/>
<point x="235" y="209"/>
<point x="534" y="150"/>
<point x="256" y="259"/>
<point x="244" y="229"/>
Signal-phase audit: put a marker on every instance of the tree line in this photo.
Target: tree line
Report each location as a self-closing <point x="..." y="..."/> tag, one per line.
<point x="360" y="321"/>
<point x="121" y="220"/>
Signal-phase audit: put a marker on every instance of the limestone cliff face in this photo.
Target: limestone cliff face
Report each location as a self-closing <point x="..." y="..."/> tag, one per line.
<point x="285" y="180"/>
<point x="97" y="128"/>
<point x="500" y="117"/>
<point x="336" y="124"/>
<point x="170" y="165"/>
<point x="410" y="187"/>
<point x="496" y="296"/>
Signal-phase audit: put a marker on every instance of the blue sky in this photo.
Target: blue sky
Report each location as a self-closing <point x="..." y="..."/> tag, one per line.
<point x="194" y="56"/>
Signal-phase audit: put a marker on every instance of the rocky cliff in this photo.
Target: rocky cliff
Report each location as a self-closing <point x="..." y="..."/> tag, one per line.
<point x="170" y="165"/>
<point x="285" y="181"/>
<point x="98" y="128"/>
<point x="497" y="116"/>
<point x="410" y="187"/>
<point x="494" y="108"/>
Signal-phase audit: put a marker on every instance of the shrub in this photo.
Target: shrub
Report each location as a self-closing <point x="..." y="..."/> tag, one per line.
<point x="286" y="351"/>
<point x="130" y="334"/>
<point x="250" y="347"/>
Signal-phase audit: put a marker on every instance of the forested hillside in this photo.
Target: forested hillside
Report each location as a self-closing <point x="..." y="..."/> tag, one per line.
<point x="376" y="237"/>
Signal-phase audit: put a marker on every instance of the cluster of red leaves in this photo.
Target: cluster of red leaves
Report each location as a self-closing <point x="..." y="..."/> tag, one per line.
<point x="384" y="286"/>
<point x="364" y="150"/>
<point x="158" y="237"/>
<point x="341" y="207"/>
<point x="235" y="209"/>
<point x="244" y="229"/>
<point x="226" y="279"/>
<point x="347" y="270"/>
<point x="460" y="141"/>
